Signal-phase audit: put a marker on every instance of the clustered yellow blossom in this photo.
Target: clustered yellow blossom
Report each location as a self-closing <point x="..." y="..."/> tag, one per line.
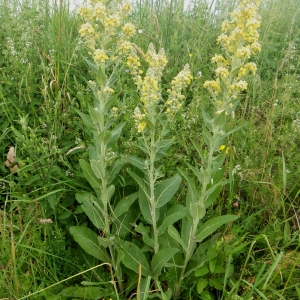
<point x="213" y="86"/>
<point x="139" y="118"/>
<point x="99" y="11"/>
<point x="114" y="112"/>
<point x="239" y="40"/>
<point x="125" y="47"/>
<point x="111" y="23"/>
<point x="157" y="61"/>
<point x="181" y="81"/>
<point x="128" y="29"/>
<point x="133" y="63"/>
<point x="223" y="147"/>
<point x="105" y="23"/>
<point x="99" y="56"/>
<point x="149" y="86"/>
<point x="86" y="30"/>
<point x="222" y="72"/>
<point x="108" y="90"/>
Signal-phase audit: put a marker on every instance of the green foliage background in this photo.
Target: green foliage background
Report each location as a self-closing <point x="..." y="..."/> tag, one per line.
<point x="42" y="83"/>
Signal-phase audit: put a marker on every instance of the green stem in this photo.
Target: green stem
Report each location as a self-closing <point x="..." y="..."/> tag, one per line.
<point x="192" y="240"/>
<point x="152" y="191"/>
<point x="191" y="247"/>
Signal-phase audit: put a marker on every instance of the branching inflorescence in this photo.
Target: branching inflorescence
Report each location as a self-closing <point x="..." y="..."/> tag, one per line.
<point x="239" y="41"/>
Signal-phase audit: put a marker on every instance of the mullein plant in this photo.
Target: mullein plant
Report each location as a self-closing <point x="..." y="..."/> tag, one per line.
<point x="239" y="42"/>
<point x="152" y="117"/>
<point x="156" y="244"/>
<point x="106" y="36"/>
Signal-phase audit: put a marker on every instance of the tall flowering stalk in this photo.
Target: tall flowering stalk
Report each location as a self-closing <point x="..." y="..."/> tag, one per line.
<point x="106" y="36"/>
<point x="152" y="117"/>
<point x="239" y="42"/>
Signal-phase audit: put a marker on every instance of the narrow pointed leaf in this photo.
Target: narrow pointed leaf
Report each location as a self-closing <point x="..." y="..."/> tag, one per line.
<point x="133" y="257"/>
<point x="166" y="190"/>
<point x="115" y="134"/>
<point x="160" y="259"/>
<point x="175" y="213"/>
<point x="212" y="225"/>
<point x="162" y="148"/>
<point x="93" y="208"/>
<point x="172" y="231"/>
<point x="89" y="174"/>
<point x="98" y="169"/>
<point x="137" y="162"/>
<point x="87" y="120"/>
<point x="124" y="204"/>
<point x="87" y="239"/>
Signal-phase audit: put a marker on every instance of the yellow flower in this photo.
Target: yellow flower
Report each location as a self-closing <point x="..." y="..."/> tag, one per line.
<point x="249" y="67"/>
<point x="242" y="85"/>
<point x="220" y="60"/>
<point x="255" y="47"/>
<point x="111" y="23"/>
<point x="108" y="90"/>
<point x="180" y="82"/>
<point x="128" y="29"/>
<point x="212" y="85"/>
<point x="86" y="30"/>
<point x="243" y="52"/>
<point x="139" y="120"/>
<point x="126" y="8"/>
<point x="100" y="56"/>
<point x="99" y="10"/>
<point x="223" y="147"/>
<point x="222" y="72"/>
<point x="85" y="12"/>
<point x="125" y="47"/>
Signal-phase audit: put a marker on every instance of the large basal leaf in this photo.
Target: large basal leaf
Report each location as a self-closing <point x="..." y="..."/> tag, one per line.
<point x="165" y="190"/>
<point x="212" y="225"/>
<point x="160" y="259"/>
<point x="89" y="174"/>
<point x="93" y="208"/>
<point x="175" y="213"/>
<point x="87" y="239"/>
<point x="133" y="257"/>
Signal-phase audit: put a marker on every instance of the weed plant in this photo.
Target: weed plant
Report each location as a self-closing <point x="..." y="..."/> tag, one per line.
<point x="51" y="87"/>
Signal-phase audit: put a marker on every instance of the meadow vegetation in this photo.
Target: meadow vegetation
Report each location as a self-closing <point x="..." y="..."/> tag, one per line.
<point x="149" y="150"/>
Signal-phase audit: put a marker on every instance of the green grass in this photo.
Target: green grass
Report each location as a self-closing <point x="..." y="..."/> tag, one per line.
<point x="42" y="83"/>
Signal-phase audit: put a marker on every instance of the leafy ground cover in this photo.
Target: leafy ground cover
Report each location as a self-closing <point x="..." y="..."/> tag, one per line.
<point x="150" y="151"/>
